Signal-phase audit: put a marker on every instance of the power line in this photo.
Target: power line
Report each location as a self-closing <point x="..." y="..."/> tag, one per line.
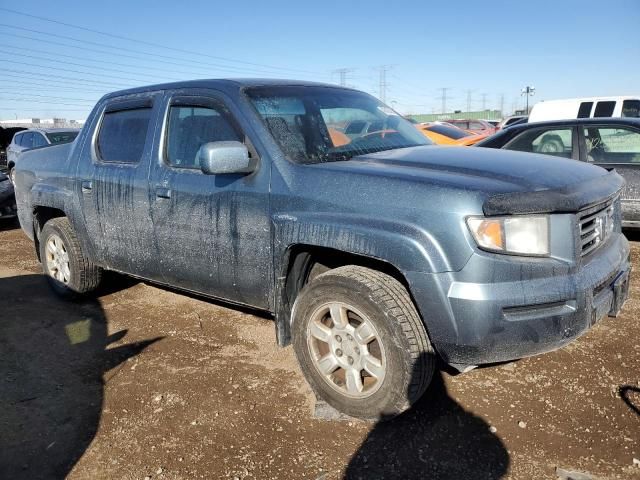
<point x="47" y="76"/>
<point x="120" y="54"/>
<point x="47" y="102"/>
<point x="164" y="47"/>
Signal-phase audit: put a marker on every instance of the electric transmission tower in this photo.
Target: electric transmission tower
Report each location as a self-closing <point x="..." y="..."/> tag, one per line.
<point x="443" y="98"/>
<point x="342" y="72"/>
<point x="382" y="83"/>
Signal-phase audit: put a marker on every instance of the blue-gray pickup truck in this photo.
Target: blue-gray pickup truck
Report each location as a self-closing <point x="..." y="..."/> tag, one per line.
<point x="375" y="252"/>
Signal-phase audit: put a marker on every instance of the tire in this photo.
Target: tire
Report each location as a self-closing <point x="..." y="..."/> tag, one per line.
<point x="404" y="359"/>
<point x="551" y="144"/>
<point x="81" y="276"/>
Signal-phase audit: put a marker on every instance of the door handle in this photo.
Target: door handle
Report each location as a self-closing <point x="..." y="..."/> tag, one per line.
<point x="87" y="186"/>
<point x="162" y="192"/>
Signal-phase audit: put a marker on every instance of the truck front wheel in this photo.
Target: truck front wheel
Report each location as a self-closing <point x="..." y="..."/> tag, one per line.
<point x="67" y="269"/>
<point x="361" y="343"/>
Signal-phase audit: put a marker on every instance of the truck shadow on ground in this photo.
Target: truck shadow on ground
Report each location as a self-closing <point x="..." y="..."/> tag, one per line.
<point x="7" y="224"/>
<point x="436" y="439"/>
<point x="53" y="357"/>
<point x="630" y="395"/>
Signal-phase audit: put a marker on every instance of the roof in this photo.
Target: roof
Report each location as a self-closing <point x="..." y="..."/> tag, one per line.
<point x="574" y="121"/>
<point x="222" y="84"/>
<point x="592" y="99"/>
<point x="50" y="130"/>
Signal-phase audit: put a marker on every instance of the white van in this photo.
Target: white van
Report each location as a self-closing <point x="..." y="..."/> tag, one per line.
<point x="585" y="108"/>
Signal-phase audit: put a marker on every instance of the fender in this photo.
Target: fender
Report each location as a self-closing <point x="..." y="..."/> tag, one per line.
<point x="404" y="246"/>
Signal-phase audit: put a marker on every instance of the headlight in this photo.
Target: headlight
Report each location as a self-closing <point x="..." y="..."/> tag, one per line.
<point x="517" y="235"/>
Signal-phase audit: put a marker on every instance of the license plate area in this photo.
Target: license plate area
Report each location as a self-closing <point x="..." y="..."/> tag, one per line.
<point x="620" y="287"/>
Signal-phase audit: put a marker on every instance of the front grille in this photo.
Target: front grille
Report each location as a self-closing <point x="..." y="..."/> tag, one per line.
<point x="595" y="227"/>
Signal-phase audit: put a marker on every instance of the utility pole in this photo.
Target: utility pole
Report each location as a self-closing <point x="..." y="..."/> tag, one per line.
<point x="502" y="104"/>
<point x="484" y="102"/>
<point x="528" y="92"/>
<point x="444" y="98"/>
<point x="343" y="75"/>
<point x="383" y="85"/>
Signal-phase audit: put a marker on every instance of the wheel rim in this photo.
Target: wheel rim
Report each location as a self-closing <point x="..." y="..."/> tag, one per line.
<point x="57" y="259"/>
<point x="346" y="349"/>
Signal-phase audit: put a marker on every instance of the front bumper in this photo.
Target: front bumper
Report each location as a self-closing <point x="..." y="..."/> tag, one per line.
<point x="496" y="309"/>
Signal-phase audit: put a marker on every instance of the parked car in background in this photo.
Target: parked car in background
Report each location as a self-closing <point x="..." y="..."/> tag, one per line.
<point x="442" y="134"/>
<point x="512" y="120"/>
<point x="474" y="126"/>
<point x="607" y="142"/>
<point x="374" y="257"/>
<point x="7" y="198"/>
<point x="593" y="107"/>
<point x="6" y="134"/>
<point x="34" y="138"/>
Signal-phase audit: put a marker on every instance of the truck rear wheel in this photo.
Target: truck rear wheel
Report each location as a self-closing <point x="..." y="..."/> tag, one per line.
<point x="67" y="269"/>
<point x="361" y="343"/>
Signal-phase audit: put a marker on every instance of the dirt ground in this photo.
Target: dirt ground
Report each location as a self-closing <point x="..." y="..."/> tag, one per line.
<point x="146" y="383"/>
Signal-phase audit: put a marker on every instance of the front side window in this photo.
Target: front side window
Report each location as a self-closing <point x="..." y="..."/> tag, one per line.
<point x="324" y="124"/>
<point x="62" y="137"/>
<point x="556" y="142"/>
<point x="191" y="127"/>
<point x="39" y="140"/>
<point x="604" y="109"/>
<point x="123" y="134"/>
<point x="612" y="145"/>
<point x="631" y="108"/>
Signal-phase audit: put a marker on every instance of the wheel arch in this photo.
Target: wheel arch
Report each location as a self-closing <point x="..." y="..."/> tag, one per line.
<point x="41" y="215"/>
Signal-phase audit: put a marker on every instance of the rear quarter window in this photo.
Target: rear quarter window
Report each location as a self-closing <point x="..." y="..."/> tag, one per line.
<point x="604" y="109"/>
<point x="123" y="134"/>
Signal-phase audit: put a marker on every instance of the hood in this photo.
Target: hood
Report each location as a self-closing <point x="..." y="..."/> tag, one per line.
<point x="512" y="182"/>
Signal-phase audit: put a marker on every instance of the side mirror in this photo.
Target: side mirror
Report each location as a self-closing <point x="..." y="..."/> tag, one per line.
<point x="217" y="158"/>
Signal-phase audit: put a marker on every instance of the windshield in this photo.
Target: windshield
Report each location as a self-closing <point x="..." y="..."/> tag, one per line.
<point x="61" y="137"/>
<point x="323" y="124"/>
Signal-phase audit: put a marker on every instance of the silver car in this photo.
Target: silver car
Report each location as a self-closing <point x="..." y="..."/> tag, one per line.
<point x="36" y="137"/>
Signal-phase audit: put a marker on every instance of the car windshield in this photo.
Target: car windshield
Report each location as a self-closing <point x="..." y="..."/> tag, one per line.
<point x="324" y="124"/>
<point x="61" y="137"/>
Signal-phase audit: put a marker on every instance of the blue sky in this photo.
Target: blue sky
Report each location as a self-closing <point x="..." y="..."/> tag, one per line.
<point x="493" y="48"/>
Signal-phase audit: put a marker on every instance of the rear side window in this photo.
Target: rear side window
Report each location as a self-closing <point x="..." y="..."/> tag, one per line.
<point x="122" y="135"/>
<point x="585" y="109"/>
<point x="451" y="132"/>
<point x="631" y="108"/>
<point x="17" y="138"/>
<point x="604" y="109"/>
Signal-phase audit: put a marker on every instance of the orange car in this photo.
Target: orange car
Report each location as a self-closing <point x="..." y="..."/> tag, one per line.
<point x="448" y="134"/>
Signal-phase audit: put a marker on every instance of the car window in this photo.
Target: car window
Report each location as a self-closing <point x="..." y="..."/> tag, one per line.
<point x="556" y="142"/>
<point x="27" y="140"/>
<point x="39" y="140"/>
<point x="604" y="109"/>
<point x="476" y="126"/>
<point x="62" y="137"/>
<point x="631" y="108"/>
<point x="451" y="132"/>
<point x="612" y="145"/>
<point x="122" y="135"/>
<point x="585" y="109"/>
<point x="355" y="127"/>
<point x="17" y="139"/>
<point x="190" y="127"/>
<point x="305" y="122"/>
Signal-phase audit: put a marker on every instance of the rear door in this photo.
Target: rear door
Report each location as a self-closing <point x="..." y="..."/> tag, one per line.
<point x="616" y="146"/>
<point x="112" y="181"/>
<point x="213" y="231"/>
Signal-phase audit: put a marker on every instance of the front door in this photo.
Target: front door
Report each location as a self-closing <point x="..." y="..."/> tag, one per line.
<point x="213" y="231"/>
